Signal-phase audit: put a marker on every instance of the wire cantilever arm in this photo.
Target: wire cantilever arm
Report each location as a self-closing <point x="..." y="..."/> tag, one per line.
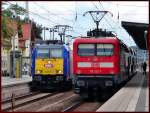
<point x="96" y="19"/>
<point x="97" y="12"/>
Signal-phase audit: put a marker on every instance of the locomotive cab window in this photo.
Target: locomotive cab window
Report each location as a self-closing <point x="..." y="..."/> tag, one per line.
<point x="104" y="50"/>
<point x="86" y="49"/>
<point x="56" y="53"/>
<point x="43" y="53"/>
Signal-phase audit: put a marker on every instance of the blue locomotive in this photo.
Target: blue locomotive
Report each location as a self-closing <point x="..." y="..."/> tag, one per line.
<point x="51" y="65"/>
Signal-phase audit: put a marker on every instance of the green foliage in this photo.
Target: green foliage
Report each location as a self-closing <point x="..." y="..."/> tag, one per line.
<point x="7" y="13"/>
<point x="11" y="13"/>
<point x="17" y="9"/>
<point x="6" y="31"/>
<point x="36" y="31"/>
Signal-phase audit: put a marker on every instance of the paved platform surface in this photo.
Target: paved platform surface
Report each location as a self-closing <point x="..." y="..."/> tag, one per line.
<point x="10" y="81"/>
<point x="134" y="96"/>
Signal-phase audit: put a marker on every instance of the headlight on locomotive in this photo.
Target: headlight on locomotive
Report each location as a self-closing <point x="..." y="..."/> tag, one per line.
<point x="38" y="71"/>
<point x="59" y="72"/>
<point x="49" y="62"/>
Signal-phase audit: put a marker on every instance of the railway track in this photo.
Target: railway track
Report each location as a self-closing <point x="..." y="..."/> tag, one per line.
<point x="73" y="106"/>
<point x="56" y="102"/>
<point x="9" y="105"/>
<point x="4" y="101"/>
<point x="83" y="106"/>
<point x="87" y="107"/>
<point x="52" y="102"/>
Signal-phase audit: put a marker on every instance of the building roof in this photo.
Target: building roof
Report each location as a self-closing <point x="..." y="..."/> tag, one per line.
<point x="137" y="31"/>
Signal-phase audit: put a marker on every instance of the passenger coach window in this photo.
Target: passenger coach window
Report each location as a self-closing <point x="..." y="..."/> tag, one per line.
<point x="56" y="53"/>
<point x="104" y="49"/>
<point x="86" y="49"/>
<point x="43" y="53"/>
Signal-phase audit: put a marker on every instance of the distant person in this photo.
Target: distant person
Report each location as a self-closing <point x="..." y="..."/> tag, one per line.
<point x="141" y="67"/>
<point x="144" y="68"/>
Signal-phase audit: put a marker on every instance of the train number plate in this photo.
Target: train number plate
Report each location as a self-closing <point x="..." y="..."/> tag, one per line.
<point x="48" y="65"/>
<point x="95" y="64"/>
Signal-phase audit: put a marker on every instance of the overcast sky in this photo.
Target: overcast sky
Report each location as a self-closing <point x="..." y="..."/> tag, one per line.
<point x="51" y="13"/>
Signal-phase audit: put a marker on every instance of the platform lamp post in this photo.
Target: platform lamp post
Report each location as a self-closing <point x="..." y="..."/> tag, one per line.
<point x="145" y="37"/>
<point x="14" y="57"/>
<point x="13" y="47"/>
<point x="30" y="32"/>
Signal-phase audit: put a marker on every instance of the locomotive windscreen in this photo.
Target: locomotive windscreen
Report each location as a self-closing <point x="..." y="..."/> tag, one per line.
<point x="86" y="50"/>
<point x="95" y="49"/>
<point x="56" y="53"/>
<point x="43" y="53"/>
<point x="104" y="50"/>
<point x="49" y="53"/>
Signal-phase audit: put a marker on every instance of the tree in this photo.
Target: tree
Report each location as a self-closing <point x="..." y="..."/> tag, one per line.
<point x="11" y="14"/>
<point x="17" y="10"/>
<point x="36" y="31"/>
<point x="5" y="14"/>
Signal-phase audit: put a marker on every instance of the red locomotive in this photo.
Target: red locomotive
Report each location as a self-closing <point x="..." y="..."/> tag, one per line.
<point x="101" y="62"/>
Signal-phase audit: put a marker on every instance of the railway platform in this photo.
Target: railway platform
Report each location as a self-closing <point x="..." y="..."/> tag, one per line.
<point x="5" y="81"/>
<point x="133" y="97"/>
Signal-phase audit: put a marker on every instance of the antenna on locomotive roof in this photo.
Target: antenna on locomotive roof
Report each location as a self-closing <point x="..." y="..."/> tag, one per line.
<point x="97" y="16"/>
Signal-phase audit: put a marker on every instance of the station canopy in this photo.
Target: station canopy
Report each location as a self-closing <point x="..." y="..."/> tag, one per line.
<point x="137" y="31"/>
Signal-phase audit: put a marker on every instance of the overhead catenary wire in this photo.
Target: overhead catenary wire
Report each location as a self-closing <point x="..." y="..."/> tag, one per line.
<point x="111" y="19"/>
<point x="45" y="18"/>
<point x="49" y="12"/>
<point x="38" y="15"/>
<point x="131" y="5"/>
<point x="117" y="24"/>
<point x="52" y="22"/>
<point x="53" y="13"/>
<point x="104" y="17"/>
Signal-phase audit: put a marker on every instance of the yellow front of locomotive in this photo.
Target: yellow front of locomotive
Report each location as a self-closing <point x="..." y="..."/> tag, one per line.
<point x="49" y="61"/>
<point x="49" y="66"/>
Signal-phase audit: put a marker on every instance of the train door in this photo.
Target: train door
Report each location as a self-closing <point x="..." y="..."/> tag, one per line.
<point x="122" y="63"/>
